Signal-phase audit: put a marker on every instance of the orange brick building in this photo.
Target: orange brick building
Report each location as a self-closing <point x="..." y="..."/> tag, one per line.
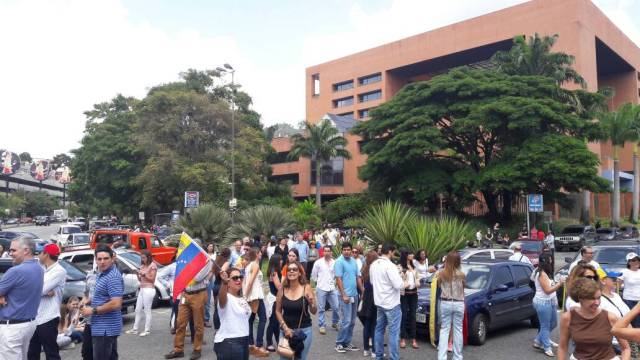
<point x="352" y="85"/>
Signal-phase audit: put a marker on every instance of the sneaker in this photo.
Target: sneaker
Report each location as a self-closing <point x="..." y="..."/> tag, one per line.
<point x="340" y="349"/>
<point x="144" y="333"/>
<point x="271" y="348"/>
<point x="537" y="345"/>
<point x="366" y="353"/>
<point x="132" y="332"/>
<point x="549" y="353"/>
<point x="335" y="327"/>
<point x="351" y="347"/>
<point x="553" y="344"/>
<point x="323" y="330"/>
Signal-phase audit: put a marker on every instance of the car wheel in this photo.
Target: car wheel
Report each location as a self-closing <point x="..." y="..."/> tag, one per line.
<point x="535" y="322"/>
<point x="479" y="329"/>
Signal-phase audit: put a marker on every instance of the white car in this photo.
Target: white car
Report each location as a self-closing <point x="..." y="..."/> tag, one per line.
<point x="61" y="237"/>
<point x="485" y="254"/>
<point x="128" y="263"/>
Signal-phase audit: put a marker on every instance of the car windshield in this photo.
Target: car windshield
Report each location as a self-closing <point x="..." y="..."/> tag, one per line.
<point x="477" y="276"/>
<point x="572" y="230"/>
<point x="604" y="231"/>
<point x="81" y="239"/>
<point x="133" y="258"/>
<point x="613" y="256"/>
<point x="533" y="246"/>
<point x="73" y="273"/>
<point x="70" y="230"/>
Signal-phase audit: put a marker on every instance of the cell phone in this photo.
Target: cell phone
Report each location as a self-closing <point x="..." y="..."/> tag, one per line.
<point x="352" y="300"/>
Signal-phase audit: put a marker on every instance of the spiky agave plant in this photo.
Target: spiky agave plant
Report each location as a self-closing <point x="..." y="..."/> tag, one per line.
<point x="436" y="236"/>
<point x="261" y="219"/>
<point x="207" y="222"/>
<point x="387" y="221"/>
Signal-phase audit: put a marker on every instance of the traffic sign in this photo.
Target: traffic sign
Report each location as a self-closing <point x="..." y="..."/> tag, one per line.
<point x="191" y="199"/>
<point x="535" y="203"/>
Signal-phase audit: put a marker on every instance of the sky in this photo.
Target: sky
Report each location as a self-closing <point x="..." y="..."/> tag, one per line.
<point x="62" y="56"/>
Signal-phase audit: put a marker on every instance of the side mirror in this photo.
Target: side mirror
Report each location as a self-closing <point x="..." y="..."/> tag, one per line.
<point x="501" y="288"/>
<point x="568" y="259"/>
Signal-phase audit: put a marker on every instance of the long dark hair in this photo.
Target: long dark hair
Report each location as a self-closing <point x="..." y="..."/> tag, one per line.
<point x="147" y="254"/>
<point x="222" y="258"/>
<point x="275" y="264"/>
<point x="545" y="263"/>
<point x="295" y="251"/>
<point x="404" y="260"/>
<point x="371" y="256"/>
<point x="302" y="279"/>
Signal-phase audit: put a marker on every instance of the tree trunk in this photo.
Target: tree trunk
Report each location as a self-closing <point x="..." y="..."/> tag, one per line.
<point x="490" y="200"/>
<point x="318" y="185"/>
<point x="636" y="185"/>
<point x="615" y="213"/>
<point x="585" y="217"/>
<point x="507" y="201"/>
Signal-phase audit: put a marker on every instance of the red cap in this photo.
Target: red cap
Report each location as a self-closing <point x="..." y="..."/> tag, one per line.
<point x="52" y="249"/>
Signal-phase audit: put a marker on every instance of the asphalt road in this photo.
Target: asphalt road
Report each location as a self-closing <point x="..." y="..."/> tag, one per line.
<point x="509" y="343"/>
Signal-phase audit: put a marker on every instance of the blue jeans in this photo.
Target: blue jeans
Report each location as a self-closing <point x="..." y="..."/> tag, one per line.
<point x="348" y="321"/>
<point x="307" y="343"/>
<point x="207" y="307"/>
<point x="631" y="303"/>
<point x="392" y="318"/>
<point x="451" y="314"/>
<point x="232" y="349"/>
<point x="262" y="323"/>
<point x="332" y="298"/>
<point x="548" y="317"/>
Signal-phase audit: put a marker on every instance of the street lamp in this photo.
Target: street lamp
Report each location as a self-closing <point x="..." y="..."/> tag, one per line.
<point x="228" y="69"/>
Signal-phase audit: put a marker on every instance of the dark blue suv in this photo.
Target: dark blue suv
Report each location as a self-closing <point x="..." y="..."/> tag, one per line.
<point x="497" y="294"/>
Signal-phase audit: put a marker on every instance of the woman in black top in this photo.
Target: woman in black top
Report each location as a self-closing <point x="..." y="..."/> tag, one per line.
<point x="282" y="249"/>
<point x="295" y="302"/>
<point x="273" y="272"/>
<point x="408" y="300"/>
<point x="369" y="312"/>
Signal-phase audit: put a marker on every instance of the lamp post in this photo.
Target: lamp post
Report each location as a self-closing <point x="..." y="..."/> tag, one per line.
<point x="230" y="70"/>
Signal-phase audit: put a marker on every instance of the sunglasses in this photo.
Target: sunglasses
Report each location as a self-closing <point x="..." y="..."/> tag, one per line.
<point x="292" y="269"/>
<point x="237" y="277"/>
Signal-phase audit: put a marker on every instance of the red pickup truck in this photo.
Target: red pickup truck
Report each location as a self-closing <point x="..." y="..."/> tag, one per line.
<point x="137" y="241"/>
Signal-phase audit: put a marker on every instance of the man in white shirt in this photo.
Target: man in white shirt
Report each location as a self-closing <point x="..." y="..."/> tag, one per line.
<point x="323" y="274"/>
<point x="586" y="254"/>
<point x="387" y="283"/>
<point x="519" y="256"/>
<point x="332" y="236"/>
<point x="48" y="318"/>
<point x="236" y="252"/>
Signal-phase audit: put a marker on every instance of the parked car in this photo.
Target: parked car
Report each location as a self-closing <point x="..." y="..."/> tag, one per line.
<point x="42" y="220"/>
<point x="10" y="235"/>
<point x="99" y="224"/>
<point x="470" y="254"/>
<point x="629" y="232"/>
<point x="74" y="285"/>
<point x="575" y="236"/>
<point x="137" y="241"/>
<point x="77" y="241"/>
<point x="607" y="233"/>
<point x="79" y="222"/>
<point x="126" y="264"/>
<point x="530" y="248"/>
<point x="12" y="221"/>
<point x="62" y="235"/>
<point x="497" y="294"/>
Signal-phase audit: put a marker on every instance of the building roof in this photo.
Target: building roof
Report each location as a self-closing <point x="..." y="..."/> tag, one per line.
<point x="342" y="122"/>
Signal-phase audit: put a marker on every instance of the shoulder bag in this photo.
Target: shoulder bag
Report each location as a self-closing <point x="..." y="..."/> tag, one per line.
<point x="284" y="349"/>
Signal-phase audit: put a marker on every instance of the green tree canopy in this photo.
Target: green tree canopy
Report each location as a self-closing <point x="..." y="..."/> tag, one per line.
<point x="60" y="160"/>
<point x="25" y="157"/>
<point x="467" y="131"/>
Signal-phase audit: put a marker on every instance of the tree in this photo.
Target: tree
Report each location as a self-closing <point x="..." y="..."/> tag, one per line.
<point x="207" y="222"/>
<point x="319" y="143"/>
<point x="618" y="127"/>
<point x="466" y="132"/>
<point x="25" y="157"/>
<point x="59" y="160"/>
<point x="635" y="134"/>
<point x="534" y="57"/>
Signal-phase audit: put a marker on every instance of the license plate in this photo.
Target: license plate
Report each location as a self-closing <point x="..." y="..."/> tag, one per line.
<point x="421" y="318"/>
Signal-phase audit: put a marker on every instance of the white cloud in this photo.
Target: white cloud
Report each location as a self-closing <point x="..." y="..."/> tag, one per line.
<point x="620" y="13"/>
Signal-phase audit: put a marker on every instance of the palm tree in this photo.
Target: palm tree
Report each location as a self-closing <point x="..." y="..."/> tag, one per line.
<point x="633" y="112"/>
<point x="534" y="57"/>
<point x="319" y="143"/>
<point x="617" y="128"/>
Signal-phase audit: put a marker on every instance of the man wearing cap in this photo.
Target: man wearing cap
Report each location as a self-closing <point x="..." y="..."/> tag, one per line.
<point x="44" y="338"/>
<point x="18" y="306"/>
<point x="518" y="255"/>
<point x="631" y="278"/>
<point x="610" y="300"/>
<point x="587" y="256"/>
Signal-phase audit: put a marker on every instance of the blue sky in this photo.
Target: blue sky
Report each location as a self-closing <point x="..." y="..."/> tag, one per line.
<point x="67" y="55"/>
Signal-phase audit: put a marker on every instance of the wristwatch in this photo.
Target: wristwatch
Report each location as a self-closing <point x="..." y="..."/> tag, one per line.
<point x="94" y="311"/>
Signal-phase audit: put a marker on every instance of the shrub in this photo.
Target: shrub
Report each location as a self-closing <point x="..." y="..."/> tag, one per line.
<point x="387" y="222"/>
<point x="436" y="236"/>
<point x="207" y="222"/>
<point x="307" y="215"/>
<point x="261" y="219"/>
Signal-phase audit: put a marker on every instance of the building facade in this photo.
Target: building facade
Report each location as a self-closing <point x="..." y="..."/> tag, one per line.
<point x="353" y="85"/>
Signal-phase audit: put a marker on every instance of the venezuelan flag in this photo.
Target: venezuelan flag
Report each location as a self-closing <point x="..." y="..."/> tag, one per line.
<point x="191" y="259"/>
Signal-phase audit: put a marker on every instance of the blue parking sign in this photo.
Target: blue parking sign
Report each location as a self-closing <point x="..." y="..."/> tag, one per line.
<point x="535" y="203"/>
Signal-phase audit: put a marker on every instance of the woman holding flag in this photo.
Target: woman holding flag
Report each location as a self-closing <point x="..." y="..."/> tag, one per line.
<point x="232" y="339"/>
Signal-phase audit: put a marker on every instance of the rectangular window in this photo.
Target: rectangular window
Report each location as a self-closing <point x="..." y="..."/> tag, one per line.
<point x="315" y="84"/>
<point x="345" y="85"/>
<point x="279" y="158"/>
<point x="294" y="179"/>
<point x="370" y="96"/>
<point x="331" y="172"/>
<point x="364" y="113"/>
<point x="370" y="79"/>
<point x="349" y="114"/>
<point x="347" y="101"/>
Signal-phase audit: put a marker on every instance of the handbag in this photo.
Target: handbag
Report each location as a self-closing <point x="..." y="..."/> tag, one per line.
<point x="284" y="349"/>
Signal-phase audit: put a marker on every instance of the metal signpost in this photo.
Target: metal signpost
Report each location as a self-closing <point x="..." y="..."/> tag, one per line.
<point x="535" y="204"/>
<point x="191" y="199"/>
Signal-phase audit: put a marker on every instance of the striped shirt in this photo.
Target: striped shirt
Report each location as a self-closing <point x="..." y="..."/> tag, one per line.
<point x="109" y="285"/>
<point x="54" y="280"/>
